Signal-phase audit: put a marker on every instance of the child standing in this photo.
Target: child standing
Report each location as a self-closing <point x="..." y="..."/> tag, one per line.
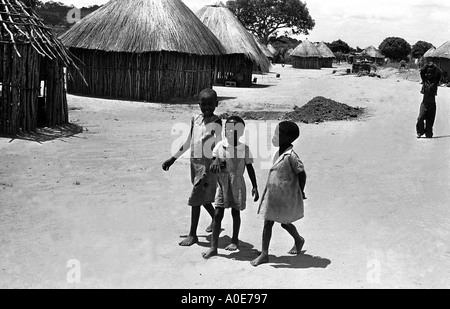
<point x="431" y="76"/>
<point x="282" y="200"/>
<point x="232" y="158"/>
<point x="206" y="131"/>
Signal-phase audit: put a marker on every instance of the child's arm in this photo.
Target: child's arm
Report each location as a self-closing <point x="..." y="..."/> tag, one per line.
<point x="302" y="183"/>
<point x="187" y="144"/>
<point x="252" y="175"/>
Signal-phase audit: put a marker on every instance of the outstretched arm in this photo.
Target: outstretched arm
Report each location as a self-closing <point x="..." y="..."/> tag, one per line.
<point x="252" y="176"/>
<point x="187" y="144"/>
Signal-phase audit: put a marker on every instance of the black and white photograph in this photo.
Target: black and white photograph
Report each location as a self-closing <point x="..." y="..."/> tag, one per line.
<point x="222" y="150"/>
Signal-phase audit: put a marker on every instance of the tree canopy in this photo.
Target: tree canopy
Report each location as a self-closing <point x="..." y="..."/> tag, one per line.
<point x="420" y="48"/>
<point x="265" y="17"/>
<point x="395" y="48"/>
<point x="339" y="46"/>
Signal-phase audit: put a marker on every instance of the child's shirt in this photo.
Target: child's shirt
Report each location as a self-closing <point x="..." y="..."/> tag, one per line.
<point x="203" y="140"/>
<point x="231" y="190"/>
<point x="282" y="200"/>
<point x="204" y="136"/>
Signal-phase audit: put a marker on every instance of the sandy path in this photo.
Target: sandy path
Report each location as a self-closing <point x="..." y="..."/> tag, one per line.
<point x="377" y="197"/>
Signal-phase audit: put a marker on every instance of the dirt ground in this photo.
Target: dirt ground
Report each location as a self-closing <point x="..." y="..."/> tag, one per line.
<point x="95" y="209"/>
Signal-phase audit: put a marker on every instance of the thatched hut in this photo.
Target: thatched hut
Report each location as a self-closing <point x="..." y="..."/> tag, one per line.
<point x="272" y="49"/>
<point x="327" y="55"/>
<point x="374" y="55"/>
<point x="266" y="51"/>
<point x="149" y="50"/>
<point x="441" y="57"/>
<point x="306" y="56"/>
<point x="242" y="53"/>
<point x="32" y="80"/>
<point x="429" y="53"/>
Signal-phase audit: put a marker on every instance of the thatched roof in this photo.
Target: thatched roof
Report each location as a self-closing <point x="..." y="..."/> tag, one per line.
<point x="429" y="52"/>
<point x="265" y="50"/>
<point x="232" y="34"/>
<point x="306" y="49"/>
<point x="22" y="25"/>
<point x="272" y="49"/>
<point x="442" y="51"/>
<point x="325" y="51"/>
<point x="371" y="51"/>
<point x="139" y="26"/>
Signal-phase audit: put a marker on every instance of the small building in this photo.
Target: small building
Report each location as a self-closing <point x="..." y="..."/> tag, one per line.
<point x="242" y="53"/>
<point x="374" y="55"/>
<point x="441" y="57"/>
<point x="306" y="56"/>
<point x="328" y="56"/>
<point x="32" y="79"/>
<point x="146" y="50"/>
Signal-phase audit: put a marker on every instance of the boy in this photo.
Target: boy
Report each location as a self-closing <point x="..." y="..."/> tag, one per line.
<point x="206" y="131"/>
<point x="431" y="76"/>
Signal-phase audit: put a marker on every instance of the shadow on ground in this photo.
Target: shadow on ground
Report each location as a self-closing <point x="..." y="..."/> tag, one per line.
<point x="247" y="252"/>
<point x="43" y="135"/>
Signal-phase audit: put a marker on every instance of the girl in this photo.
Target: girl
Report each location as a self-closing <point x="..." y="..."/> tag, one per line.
<point x="232" y="158"/>
<point x="282" y="200"/>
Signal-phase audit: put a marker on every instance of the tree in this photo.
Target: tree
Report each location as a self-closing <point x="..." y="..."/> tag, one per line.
<point x="339" y="46"/>
<point x="265" y="17"/>
<point x="395" y="48"/>
<point x="420" y="48"/>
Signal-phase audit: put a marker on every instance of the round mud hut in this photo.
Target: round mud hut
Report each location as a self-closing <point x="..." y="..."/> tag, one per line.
<point x="327" y="55"/>
<point x="441" y="57"/>
<point x="145" y="50"/>
<point x="306" y="56"/>
<point x="374" y="55"/>
<point x="242" y="53"/>
<point x="32" y="80"/>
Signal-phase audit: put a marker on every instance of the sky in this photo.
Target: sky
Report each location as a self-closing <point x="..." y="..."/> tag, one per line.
<point x="361" y="23"/>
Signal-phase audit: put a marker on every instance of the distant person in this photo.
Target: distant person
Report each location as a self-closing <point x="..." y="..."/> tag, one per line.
<point x="232" y="159"/>
<point x="282" y="200"/>
<point x="206" y="131"/>
<point x="403" y="66"/>
<point x="431" y="76"/>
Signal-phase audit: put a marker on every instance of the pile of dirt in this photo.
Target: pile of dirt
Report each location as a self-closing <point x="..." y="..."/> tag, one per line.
<point x="319" y="109"/>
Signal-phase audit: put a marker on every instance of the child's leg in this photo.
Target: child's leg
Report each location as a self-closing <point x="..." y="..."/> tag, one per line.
<point x="420" y="126"/>
<point x="236" y="226"/>
<point x="210" y="209"/>
<point x="267" y="235"/>
<point x="217" y="225"/>
<point x="192" y="238"/>
<point x="299" y="241"/>
<point x="430" y="118"/>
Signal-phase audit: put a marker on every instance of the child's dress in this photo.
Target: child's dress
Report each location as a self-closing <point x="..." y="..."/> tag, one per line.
<point x="203" y="180"/>
<point x="231" y="188"/>
<point x="282" y="200"/>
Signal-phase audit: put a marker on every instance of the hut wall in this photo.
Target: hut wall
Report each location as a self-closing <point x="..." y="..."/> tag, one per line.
<point x="442" y="63"/>
<point x="326" y="62"/>
<point x="229" y="66"/>
<point x="21" y="83"/>
<point x="306" y="63"/>
<point x="145" y="77"/>
<point x="20" y="89"/>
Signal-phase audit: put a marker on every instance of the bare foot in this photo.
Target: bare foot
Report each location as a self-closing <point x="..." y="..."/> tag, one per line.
<point x="210" y="253"/>
<point x="189" y="241"/>
<point x="261" y="259"/>
<point x="232" y="247"/>
<point x="297" y="249"/>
